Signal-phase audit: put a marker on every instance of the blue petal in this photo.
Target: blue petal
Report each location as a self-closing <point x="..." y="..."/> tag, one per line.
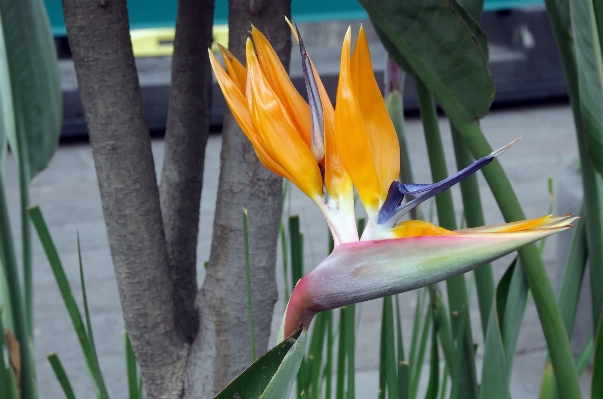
<point x="316" y="112"/>
<point x="393" y="203"/>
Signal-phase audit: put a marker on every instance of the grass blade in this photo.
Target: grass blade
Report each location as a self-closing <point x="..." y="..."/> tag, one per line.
<point x="596" y="390"/>
<point x="417" y="368"/>
<point x="341" y="355"/>
<point x="350" y="348"/>
<point x="389" y="348"/>
<point x="59" y="372"/>
<point x="403" y="365"/>
<point x="434" y="366"/>
<point x="8" y="382"/>
<point x="131" y="369"/>
<point x="96" y="371"/>
<point x="328" y="372"/>
<point x="65" y="289"/>
<point x="248" y="280"/>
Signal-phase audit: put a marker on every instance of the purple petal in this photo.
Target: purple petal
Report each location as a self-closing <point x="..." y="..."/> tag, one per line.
<point x="392" y="202"/>
<point x="318" y="144"/>
<point x="423" y="192"/>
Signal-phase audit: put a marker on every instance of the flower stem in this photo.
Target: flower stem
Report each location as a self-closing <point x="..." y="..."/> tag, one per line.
<point x="457" y="289"/>
<point x="474" y="215"/>
<point x="542" y="290"/>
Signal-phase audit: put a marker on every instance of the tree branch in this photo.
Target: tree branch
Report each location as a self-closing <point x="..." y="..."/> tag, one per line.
<point x="98" y="33"/>
<point x="185" y="140"/>
<point x="222" y="350"/>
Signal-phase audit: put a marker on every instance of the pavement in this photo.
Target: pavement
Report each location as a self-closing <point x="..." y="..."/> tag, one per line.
<point x="68" y="195"/>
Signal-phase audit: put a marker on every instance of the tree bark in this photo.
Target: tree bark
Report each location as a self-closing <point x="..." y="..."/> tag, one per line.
<point x="189" y="117"/>
<point x="98" y="33"/>
<point x="221" y="351"/>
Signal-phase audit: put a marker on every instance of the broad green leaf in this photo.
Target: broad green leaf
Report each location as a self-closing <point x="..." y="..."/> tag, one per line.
<point x="273" y="374"/>
<point x="34" y="76"/>
<point x="590" y="76"/>
<point x="474" y="8"/>
<point x="440" y="49"/>
<point x="471" y="21"/>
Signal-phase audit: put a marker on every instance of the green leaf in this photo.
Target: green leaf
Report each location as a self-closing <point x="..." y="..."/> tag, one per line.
<point x="8" y="382"/>
<point x="590" y="76"/>
<point x="96" y="371"/>
<point x="474" y="8"/>
<point x="131" y="369"/>
<point x="503" y="330"/>
<point x="65" y="289"/>
<point x="440" y="49"/>
<point x="388" y="365"/>
<point x="273" y="374"/>
<point x="434" y="366"/>
<point x="59" y="372"/>
<point x="444" y="328"/>
<point x="34" y="76"/>
<point x="471" y="22"/>
<point x="7" y="113"/>
<point x="597" y="381"/>
<point x="248" y="285"/>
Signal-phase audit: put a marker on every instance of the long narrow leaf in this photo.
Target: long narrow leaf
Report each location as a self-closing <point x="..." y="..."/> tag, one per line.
<point x="65" y="289"/>
<point x="8" y="382"/>
<point x="131" y="369"/>
<point x="403" y="369"/>
<point x="434" y="366"/>
<point x="59" y="372"/>
<point x="248" y="285"/>
<point x="98" y="376"/>
<point x="596" y="390"/>
<point x="590" y="76"/>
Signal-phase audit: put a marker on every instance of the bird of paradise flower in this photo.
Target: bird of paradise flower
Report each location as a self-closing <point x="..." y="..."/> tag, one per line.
<point x="326" y="151"/>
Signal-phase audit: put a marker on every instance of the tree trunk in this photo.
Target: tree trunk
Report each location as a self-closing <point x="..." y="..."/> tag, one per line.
<point x="222" y="351"/>
<point x="189" y="117"/>
<point x="99" y="36"/>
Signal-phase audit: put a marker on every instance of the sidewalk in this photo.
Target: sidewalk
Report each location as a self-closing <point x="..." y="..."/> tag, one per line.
<point x="68" y="195"/>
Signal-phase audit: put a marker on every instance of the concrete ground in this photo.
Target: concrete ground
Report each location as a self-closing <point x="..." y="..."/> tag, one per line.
<point x="68" y="195"/>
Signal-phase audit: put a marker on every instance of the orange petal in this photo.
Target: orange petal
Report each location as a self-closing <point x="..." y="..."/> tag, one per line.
<point x="278" y="135"/>
<point x="351" y="139"/>
<point x="542" y="223"/>
<point x="235" y="69"/>
<point x="278" y="79"/>
<point x="382" y="138"/>
<point x="238" y="105"/>
<point x="337" y="180"/>
<point x="418" y="228"/>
